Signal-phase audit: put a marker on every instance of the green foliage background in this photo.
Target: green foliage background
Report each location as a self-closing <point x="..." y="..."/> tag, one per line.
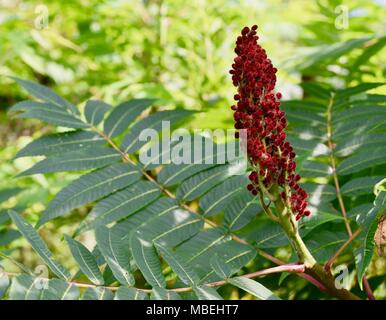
<point x="179" y="51"/>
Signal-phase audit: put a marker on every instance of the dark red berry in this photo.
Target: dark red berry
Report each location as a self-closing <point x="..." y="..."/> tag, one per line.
<point x="258" y="111"/>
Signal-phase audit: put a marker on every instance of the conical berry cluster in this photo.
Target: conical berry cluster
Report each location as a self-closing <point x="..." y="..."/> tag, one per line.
<point x="258" y="111"/>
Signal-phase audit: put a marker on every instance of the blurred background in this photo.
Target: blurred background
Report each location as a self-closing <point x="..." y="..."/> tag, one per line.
<point x="179" y="51"/>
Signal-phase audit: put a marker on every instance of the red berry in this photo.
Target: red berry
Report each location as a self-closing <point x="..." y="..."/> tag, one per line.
<point x="258" y="111"/>
<point x="253" y="176"/>
<point x="245" y="31"/>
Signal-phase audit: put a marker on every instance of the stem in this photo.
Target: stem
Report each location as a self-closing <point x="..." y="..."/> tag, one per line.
<point x="368" y="290"/>
<point x="289" y="225"/>
<point x="302" y="275"/>
<point x="333" y="165"/>
<point x="329" y="263"/>
<point x="335" y="176"/>
<point x="294" y="268"/>
<point x="266" y="208"/>
<point x="313" y="269"/>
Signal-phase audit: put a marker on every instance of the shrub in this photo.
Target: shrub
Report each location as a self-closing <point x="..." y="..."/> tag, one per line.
<point x="191" y="230"/>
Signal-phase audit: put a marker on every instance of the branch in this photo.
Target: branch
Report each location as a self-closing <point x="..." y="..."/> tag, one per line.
<point x="335" y="176"/>
<point x="333" y="165"/>
<point x="302" y="275"/>
<point x="293" y="268"/>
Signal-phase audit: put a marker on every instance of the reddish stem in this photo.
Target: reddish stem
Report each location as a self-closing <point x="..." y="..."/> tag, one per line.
<point x="368" y="290"/>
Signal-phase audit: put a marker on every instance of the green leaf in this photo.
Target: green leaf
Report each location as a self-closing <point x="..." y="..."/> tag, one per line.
<point x="91" y="187"/>
<point x="124" y="114"/>
<point x="132" y="142"/>
<point x="60" y="290"/>
<point x="48" y="113"/>
<point x="206" y="293"/>
<point x="183" y="270"/>
<point x="359" y="186"/>
<point x="25" y="287"/>
<point x="7" y="236"/>
<point x="153" y="159"/>
<point x="60" y="143"/>
<point x="314" y="169"/>
<point x="172" y="174"/>
<point x="362" y="160"/>
<point x="316" y="219"/>
<point x="360" y="112"/>
<point x="74" y="161"/>
<point x="220" y="196"/>
<point x="98" y="293"/>
<point x="354" y="143"/>
<point x="29" y="104"/>
<point x="363" y="87"/>
<point x="121" y="204"/>
<point x="303" y="105"/>
<point x="305" y="118"/>
<point x="367" y="53"/>
<point x="324" y="243"/>
<point x="364" y="254"/>
<point x="4" y="218"/>
<point x="158" y="208"/>
<point x="224" y="271"/>
<point x="231" y="254"/>
<point x="146" y="258"/>
<point x="95" y="110"/>
<point x="46" y="94"/>
<point x="359" y="212"/>
<point x="199" y="249"/>
<point x="171" y="227"/>
<point x="307" y="148"/>
<point x="116" y="253"/>
<point x="86" y="261"/>
<point x="8" y="193"/>
<point x="360" y="100"/>
<point x="124" y="293"/>
<point x="330" y="52"/>
<point x="211" y="155"/>
<point x="270" y="235"/>
<point x="253" y="287"/>
<point x="357" y="127"/>
<point x="316" y="89"/>
<point x="241" y="210"/>
<point x="200" y="183"/>
<point x="319" y="193"/>
<point x="38" y="245"/>
<point x="163" y="294"/>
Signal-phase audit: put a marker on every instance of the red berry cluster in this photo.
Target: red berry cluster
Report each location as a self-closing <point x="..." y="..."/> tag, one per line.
<point x="258" y="111"/>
